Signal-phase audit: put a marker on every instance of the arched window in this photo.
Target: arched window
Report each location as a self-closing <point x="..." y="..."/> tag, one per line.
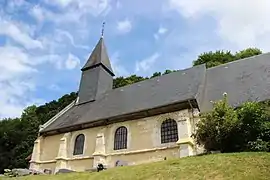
<point x="120" y="138"/>
<point x="169" y="132"/>
<point x="79" y="145"/>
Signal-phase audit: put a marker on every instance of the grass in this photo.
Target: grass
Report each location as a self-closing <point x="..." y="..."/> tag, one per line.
<point x="235" y="166"/>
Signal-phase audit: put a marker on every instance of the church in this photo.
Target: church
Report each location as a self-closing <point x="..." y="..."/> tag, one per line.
<point x="148" y="121"/>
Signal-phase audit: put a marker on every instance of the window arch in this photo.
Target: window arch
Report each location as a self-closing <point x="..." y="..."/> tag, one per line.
<point x="169" y="131"/>
<point x="79" y="144"/>
<point x="120" y="138"/>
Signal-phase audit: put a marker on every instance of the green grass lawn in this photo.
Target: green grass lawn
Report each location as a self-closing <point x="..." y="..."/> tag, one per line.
<point x="233" y="166"/>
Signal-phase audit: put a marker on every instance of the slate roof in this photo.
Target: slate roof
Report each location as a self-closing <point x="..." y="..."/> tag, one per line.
<point x="243" y="80"/>
<point x="99" y="56"/>
<point x="159" y="91"/>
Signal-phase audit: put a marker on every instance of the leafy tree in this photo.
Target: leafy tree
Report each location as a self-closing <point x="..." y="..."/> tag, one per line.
<point x="246" y="128"/>
<point x="216" y="58"/>
<point x="156" y="74"/>
<point x="214" y="128"/>
<point x="121" y="81"/>
<point x="249" y="52"/>
<point x="212" y="59"/>
<point x="17" y="135"/>
<point x="254" y="127"/>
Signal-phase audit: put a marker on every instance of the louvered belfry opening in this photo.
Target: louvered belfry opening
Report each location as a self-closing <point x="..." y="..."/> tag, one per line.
<point x="120" y="138"/>
<point x="79" y="145"/>
<point x="169" y="131"/>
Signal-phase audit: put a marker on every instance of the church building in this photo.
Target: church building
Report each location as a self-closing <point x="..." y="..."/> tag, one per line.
<point x="148" y="121"/>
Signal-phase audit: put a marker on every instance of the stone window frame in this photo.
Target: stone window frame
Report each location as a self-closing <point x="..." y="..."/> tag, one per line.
<point x="125" y="136"/>
<point x="75" y="136"/>
<point x="172" y="137"/>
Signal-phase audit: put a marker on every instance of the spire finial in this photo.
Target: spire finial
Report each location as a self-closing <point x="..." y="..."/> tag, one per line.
<point x="102" y="31"/>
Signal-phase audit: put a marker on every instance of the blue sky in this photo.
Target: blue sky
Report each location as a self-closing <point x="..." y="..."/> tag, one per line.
<point x="43" y="43"/>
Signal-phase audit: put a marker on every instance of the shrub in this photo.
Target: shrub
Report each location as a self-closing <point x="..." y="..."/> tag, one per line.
<point x="226" y="129"/>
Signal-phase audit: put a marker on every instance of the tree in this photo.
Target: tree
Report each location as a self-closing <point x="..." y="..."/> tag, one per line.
<point x="156" y="74"/>
<point x="249" y="52"/>
<point x="254" y="127"/>
<point x="212" y="59"/>
<point x="121" y="81"/>
<point x="246" y="128"/>
<point x="214" y="128"/>
<point x="216" y="58"/>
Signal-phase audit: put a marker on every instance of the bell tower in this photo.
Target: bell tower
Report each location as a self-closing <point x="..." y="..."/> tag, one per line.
<point x="97" y="74"/>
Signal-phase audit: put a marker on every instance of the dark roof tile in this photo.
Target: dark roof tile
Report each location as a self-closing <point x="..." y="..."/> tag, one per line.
<point x="159" y="91"/>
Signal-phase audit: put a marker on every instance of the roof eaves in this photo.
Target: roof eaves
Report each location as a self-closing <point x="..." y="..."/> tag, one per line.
<point x="54" y="118"/>
<point x="114" y="117"/>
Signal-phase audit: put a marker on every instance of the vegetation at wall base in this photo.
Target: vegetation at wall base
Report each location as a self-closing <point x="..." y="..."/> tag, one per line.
<point x="234" y="166"/>
<point x="18" y="134"/>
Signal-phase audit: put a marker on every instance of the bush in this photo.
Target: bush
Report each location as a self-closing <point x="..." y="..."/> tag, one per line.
<point x="259" y="145"/>
<point x="226" y="129"/>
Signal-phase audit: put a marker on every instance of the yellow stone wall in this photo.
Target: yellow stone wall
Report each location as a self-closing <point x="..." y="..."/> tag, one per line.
<point x="80" y="165"/>
<point x="144" y="144"/>
<point x="49" y="147"/>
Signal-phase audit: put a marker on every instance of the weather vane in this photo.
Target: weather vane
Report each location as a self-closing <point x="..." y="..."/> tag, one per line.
<point x="102" y="31"/>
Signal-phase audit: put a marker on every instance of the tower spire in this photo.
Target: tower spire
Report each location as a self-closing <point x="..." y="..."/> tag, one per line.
<point x="97" y="73"/>
<point x="102" y="30"/>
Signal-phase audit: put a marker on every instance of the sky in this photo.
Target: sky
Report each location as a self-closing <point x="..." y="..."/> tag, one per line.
<point x="44" y="43"/>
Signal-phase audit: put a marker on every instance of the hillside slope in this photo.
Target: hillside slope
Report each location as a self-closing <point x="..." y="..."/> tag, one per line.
<point x="214" y="167"/>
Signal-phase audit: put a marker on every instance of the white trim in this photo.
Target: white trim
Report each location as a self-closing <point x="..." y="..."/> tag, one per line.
<point x="57" y="116"/>
<point x="43" y="162"/>
<point x="75" y="158"/>
<point x="141" y="151"/>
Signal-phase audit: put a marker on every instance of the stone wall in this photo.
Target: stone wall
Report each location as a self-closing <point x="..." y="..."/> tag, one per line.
<point x="144" y="144"/>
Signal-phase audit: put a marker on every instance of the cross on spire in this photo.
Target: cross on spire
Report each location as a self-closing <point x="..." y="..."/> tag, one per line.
<point x="102" y="31"/>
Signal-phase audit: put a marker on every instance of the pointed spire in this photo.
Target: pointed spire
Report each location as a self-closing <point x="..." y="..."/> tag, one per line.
<point x="98" y="57"/>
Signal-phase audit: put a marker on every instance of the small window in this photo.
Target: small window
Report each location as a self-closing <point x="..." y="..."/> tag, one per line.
<point x="169" y="131"/>
<point x="120" y="138"/>
<point x="79" y="145"/>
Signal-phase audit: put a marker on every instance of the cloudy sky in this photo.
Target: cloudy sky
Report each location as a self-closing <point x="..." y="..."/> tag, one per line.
<point x="43" y="43"/>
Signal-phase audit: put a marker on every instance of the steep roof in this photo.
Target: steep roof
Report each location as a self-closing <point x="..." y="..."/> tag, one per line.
<point x="243" y="80"/>
<point x="99" y="56"/>
<point x="160" y="91"/>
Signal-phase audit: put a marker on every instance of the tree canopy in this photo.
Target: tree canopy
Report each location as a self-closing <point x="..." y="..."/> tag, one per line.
<point x="226" y="129"/>
<point x="219" y="57"/>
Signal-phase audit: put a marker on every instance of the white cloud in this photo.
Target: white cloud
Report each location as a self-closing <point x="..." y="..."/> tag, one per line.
<point x="72" y="62"/>
<point x="147" y="63"/>
<point x="13" y="61"/>
<point x="14" y="82"/>
<point x="124" y="26"/>
<point x="18" y="34"/>
<point x="54" y="87"/>
<point x="61" y="34"/>
<point x="118" y="69"/>
<point x="75" y="9"/>
<point x="242" y="23"/>
<point x="161" y="31"/>
<point x="38" y="13"/>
